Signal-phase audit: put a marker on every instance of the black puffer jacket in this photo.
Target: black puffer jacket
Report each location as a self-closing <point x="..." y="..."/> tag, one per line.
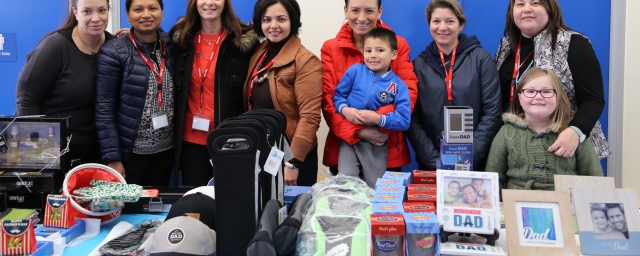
<point x="231" y="70"/>
<point x="475" y="83"/>
<point x="122" y="79"/>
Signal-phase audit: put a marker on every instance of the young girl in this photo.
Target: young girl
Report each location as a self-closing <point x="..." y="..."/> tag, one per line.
<point x="537" y="115"/>
<point x="601" y="226"/>
<point x="454" y="193"/>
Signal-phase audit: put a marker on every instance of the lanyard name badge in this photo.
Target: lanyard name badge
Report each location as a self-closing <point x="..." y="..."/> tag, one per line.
<point x="449" y="73"/>
<point x="200" y="122"/>
<point x="516" y="67"/>
<point x="254" y="77"/>
<point x="159" y="120"/>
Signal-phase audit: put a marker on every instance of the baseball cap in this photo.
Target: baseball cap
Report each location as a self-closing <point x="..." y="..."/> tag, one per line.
<point x="183" y="236"/>
<point x="197" y="205"/>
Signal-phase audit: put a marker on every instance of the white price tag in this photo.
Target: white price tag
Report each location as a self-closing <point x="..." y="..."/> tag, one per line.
<point x="282" y="214"/>
<point x="274" y="161"/>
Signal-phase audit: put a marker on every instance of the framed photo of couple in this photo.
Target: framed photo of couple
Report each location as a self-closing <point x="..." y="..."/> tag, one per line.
<point x="608" y="221"/>
<point x="468" y="202"/>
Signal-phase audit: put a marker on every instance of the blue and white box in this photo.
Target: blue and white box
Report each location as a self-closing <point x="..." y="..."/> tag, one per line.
<point x="457" y="157"/>
<point x="387" y="208"/>
<point x="404" y="176"/>
<point x="388" y="198"/>
<point x="423" y="233"/>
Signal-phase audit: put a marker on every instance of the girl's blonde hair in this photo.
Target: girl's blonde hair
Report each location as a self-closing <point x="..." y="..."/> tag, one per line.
<point x="562" y="115"/>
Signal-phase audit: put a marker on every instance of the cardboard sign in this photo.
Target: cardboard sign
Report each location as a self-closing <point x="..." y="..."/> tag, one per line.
<point x="18" y="238"/>
<point x="57" y="212"/>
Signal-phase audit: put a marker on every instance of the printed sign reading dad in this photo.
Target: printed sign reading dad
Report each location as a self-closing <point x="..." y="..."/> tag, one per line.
<point x="529" y="234"/>
<point x="476" y="223"/>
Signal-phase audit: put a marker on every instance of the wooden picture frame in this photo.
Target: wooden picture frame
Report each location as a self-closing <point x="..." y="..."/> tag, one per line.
<point x="538" y="222"/>
<point x="462" y="216"/>
<point x="608" y="220"/>
<point x="567" y="183"/>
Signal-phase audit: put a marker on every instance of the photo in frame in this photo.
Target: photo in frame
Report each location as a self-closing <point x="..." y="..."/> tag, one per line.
<point x="468" y="201"/>
<point x="538" y="222"/>
<point x="608" y="221"/>
<point x="568" y="182"/>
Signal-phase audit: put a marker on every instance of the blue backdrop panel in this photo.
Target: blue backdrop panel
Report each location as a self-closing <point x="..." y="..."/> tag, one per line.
<point x="174" y="9"/>
<point x="30" y="20"/>
<point x="486" y="20"/>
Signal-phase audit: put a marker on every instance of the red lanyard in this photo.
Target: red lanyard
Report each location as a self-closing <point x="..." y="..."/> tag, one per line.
<point x="160" y="73"/>
<point x="253" y="79"/>
<point x="203" y="75"/>
<point x="449" y="79"/>
<point x="516" y="66"/>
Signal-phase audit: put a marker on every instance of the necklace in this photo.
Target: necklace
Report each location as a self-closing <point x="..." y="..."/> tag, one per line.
<point x="92" y="52"/>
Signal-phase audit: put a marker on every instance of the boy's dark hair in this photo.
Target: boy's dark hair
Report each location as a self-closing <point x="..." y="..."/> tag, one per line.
<point x="292" y="7"/>
<point x="128" y="4"/>
<point x="384" y="35"/>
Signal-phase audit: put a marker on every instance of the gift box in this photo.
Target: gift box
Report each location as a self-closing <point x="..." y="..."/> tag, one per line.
<point x="423" y="231"/>
<point x="18" y="238"/>
<point x="35" y="201"/>
<point x="69" y="234"/>
<point x="387" y="234"/>
<point x="457" y="157"/>
<point x="290" y="192"/>
<point x="387" y="208"/>
<point x="58" y="212"/>
<point x="421" y="196"/>
<point x="422" y="187"/>
<point x="424" y="177"/>
<point x="390" y="189"/>
<point x="404" y="176"/>
<point x="31" y="182"/>
<point x="388" y="197"/>
<point x="389" y="182"/>
<point x="419" y="207"/>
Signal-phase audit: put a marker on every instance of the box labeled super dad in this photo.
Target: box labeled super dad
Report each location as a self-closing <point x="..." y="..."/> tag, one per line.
<point x="457" y="157"/>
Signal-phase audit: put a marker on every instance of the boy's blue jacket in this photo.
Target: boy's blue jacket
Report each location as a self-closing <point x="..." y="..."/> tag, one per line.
<point x="363" y="89"/>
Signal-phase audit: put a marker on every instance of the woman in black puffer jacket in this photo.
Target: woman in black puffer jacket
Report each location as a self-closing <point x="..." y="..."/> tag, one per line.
<point x="134" y="104"/>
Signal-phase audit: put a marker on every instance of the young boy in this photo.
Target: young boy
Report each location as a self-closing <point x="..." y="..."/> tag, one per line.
<point x="362" y="90"/>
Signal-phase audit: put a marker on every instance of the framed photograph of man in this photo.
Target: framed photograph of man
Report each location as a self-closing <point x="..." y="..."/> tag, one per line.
<point x="468" y="201"/>
<point x="538" y="222"/>
<point x="567" y="183"/>
<point x="608" y="221"/>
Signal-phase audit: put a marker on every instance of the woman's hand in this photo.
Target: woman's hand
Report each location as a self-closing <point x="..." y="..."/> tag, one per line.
<point x="118" y="167"/>
<point x="566" y="144"/>
<point x="122" y="32"/>
<point x="352" y="115"/>
<point x="290" y="176"/>
<point x="373" y="135"/>
<point x="371" y="118"/>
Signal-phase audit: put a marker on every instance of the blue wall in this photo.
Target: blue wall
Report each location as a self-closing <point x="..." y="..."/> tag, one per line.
<point x="30" y="20"/>
<point x="486" y="20"/>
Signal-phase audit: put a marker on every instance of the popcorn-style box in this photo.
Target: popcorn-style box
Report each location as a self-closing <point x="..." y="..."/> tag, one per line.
<point x="388" y="198"/>
<point x="18" y="238"/>
<point x="423" y="231"/>
<point x="419" y="207"/>
<point x="390" y="189"/>
<point x="389" y="182"/>
<point x="405" y="176"/>
<point x="387" y="234"/>
<point x="422" y="196"/>
<point x="387" y="208"/>
<point x="424" y="177"/>
<point x="58" y="213"/>
<point x="422" y="187"/>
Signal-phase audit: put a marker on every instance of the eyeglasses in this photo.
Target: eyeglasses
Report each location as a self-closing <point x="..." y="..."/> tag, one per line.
<point x="545" y="93"/>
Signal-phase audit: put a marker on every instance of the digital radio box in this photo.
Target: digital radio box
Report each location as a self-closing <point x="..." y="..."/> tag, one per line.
<point x="458" y="124"/>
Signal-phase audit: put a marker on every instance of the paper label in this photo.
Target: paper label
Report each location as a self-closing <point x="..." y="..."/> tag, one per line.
<point x="274" y="162"/>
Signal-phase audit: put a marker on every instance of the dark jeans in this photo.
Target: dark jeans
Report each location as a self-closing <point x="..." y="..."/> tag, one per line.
<point x="195" y="168"/>
<point x="149" y="170"/>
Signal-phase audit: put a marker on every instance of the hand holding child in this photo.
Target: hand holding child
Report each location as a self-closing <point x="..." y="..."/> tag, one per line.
<point x="352" y="115"/>
<point x="370" y="117"/>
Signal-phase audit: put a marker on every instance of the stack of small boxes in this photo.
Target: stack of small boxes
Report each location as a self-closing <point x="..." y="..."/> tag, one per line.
<point x="456" y="145"/>
<point x="404" y="220"/>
